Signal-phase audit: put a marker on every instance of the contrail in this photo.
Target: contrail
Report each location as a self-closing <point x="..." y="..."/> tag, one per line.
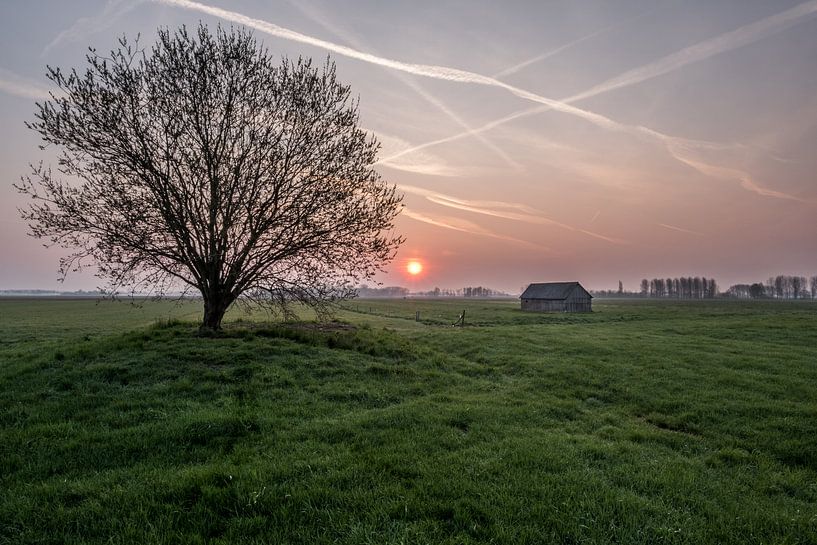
<point x="14" y="84"/>
<point x="553" y="52"/>
<point x="115" y="9"/>
<point x="546" y="55"/>
<point x="695" y="53"/>
<point x="318" y="18"/>
<point x="472" y="132"/>
<point x="459" y="121"/>
<point x="705" y="49"/>
<point x="680" y="229"/>
<point x="431" y="71"/>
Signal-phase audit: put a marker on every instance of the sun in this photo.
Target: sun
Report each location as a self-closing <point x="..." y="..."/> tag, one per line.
<point x="414" y="267"/>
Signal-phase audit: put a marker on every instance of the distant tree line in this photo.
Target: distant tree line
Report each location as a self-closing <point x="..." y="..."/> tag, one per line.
<point x="398" y="291"/>
<point x="35" y="292"/>
<point x="469" y="291"/>
<point x="688" y="287"/>
<point x="388" y="291"/>
<point x="777" y="287"/>
<point x="479" y="291"/>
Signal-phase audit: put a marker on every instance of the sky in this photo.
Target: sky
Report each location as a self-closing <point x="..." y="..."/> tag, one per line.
<point x="534" y="141"/>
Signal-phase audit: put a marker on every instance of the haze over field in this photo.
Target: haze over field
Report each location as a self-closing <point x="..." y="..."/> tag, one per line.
<point x="611" y="140"/>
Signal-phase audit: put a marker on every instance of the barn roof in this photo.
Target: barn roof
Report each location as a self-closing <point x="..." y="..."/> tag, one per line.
<point x="551" y="290"/>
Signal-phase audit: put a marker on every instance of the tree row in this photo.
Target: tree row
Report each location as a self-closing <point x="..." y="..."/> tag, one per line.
<point x="778" y="287"/>
<point x="680" y="288"/>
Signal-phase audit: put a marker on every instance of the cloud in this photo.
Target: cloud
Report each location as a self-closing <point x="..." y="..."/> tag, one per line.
<point x="465" y="226"/>
<point x="501" y="209"/>
<point x="683" y="153"/>
<point x="419" y="163"/>
<point x="455" y="224"/>
<point x="480" y="207"/>
<point x="17" y="85"/>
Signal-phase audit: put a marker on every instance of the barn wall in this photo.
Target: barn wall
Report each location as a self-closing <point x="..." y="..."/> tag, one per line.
<point x="543" y="305"/>
<point x="578" y="304"/>
<point x="579" y="301"/>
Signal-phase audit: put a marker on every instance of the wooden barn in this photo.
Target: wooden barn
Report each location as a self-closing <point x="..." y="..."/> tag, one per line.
<point x="557" y="297"/>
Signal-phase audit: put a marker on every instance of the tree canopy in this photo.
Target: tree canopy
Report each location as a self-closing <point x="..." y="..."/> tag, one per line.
<point x="204" y="164"/>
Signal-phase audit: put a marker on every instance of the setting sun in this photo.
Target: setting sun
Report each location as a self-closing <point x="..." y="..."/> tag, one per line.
<point x="414" y="268"/>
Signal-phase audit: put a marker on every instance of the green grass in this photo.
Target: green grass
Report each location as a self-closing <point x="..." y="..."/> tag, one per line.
<point x="643" y="422"/>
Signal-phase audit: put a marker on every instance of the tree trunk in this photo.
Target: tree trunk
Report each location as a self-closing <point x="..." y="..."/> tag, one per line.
<point x="214" y="309"/>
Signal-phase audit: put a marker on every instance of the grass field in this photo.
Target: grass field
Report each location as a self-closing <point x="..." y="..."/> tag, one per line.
<point x="644" y="422"/>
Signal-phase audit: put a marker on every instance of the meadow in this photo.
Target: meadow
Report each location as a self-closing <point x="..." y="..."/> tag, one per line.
<point x="643" y="422"/>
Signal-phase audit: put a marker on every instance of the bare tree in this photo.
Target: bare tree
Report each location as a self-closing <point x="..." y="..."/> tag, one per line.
<point x="770" y="287"/>
<point x="796" y="286"/>
<point x="813" y="287"/>
<point x="780" y="286"/>
<point x="204" y="164"/>
<point x="713" y="288"/>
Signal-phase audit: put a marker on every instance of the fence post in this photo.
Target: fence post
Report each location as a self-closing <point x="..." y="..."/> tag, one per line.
<point x="460" y="320"/>
<point x="417" y="316"/>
